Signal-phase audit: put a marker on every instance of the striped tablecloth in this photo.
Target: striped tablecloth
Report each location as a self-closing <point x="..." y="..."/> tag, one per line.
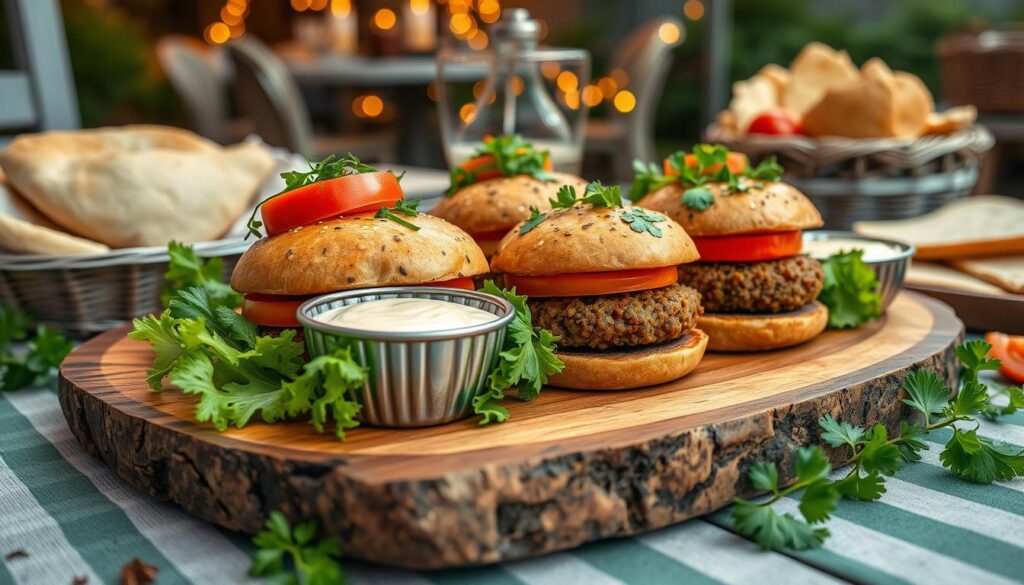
<point x="73" y="517"/>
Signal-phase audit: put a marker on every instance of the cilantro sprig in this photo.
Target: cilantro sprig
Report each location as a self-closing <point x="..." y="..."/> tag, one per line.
<point x="710" y="166"/>
<point x="312" y="561"/>
<point x="46" y="349"/>
<point x="874" y="455"/>
<point x="850" y="290"/>
<point x="525" y="363"/>
<point x="406" y="207"/>
<point x="595" y="194"/>
<point x="511" y="155"/>
<point x="186" y="269"/>
<point x="331" y="167"/>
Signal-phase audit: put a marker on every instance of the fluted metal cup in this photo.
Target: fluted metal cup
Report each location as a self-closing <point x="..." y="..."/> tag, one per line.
<point x="415" y="379"/>
<point x="890" y="272"/>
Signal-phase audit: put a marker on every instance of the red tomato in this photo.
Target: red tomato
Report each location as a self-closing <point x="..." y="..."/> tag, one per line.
<point x="588" y="284"/>
<point x="272" y="310"/>
<point x="736" y="161"/>
<point x="326" y="199"/>
<point x="749" y="248"/>
<point x="776" y="122"/>
<point x="463" y="282"/>
<point x="1008" y="349"/>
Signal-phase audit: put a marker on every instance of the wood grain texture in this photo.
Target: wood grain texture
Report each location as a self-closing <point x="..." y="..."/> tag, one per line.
<point x="569" y="468"/>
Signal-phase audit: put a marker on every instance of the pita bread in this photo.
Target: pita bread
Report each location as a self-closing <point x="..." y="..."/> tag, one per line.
<point x="24" y="230"/>
<point x="857" y="110"/>
<point x="778" y="75"/>
<point x="912" y="104"/>
<point x="952" y="120"/>
<point x="751" y="98"/>
<point x="1006" y="272"/>
<point x="935" y="275"/>
<point x="136" y="185"/>
<point x="817" y="69"/>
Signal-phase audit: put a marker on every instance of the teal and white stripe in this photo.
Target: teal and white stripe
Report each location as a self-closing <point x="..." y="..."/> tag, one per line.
<point x="76" y="518"/>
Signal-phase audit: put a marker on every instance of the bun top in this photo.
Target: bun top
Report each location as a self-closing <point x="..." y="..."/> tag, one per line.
<point x="500" y="203"/>
<point x="775" y="207"/>
<point x="357" y="252"/>
<point x="583" y="238"/>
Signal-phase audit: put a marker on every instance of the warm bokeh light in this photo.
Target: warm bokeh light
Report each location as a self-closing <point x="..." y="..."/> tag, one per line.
<point x="591" y="95"/>
<point x="237" y="30"/>
<point x="460" y="24"/>
<point x="467" y="113"/>
<point x="373" y="106"/>
<point x="567" y="81"/>
<point x="301" y="5"/>
<point x="432" y="91"/>
<point x="490" y="10"/>
<point x="232" y="8"/>
<point x="341" y="8"/>
<point x="619" y="76"/>
<point x="478" y="90"/>
<point x="458" y="7"/>
<point x="517" y="85"/>
<point x="609" y="87"/>
<point x="479" y="41"/>
<point x="572" y="99"/>
<point x="625" y="101"/>
<point x="229" y="18"/>
<point x="668" y="33"/>
<point x="385" y="19"/>
<point x="693" y="9"/>
<point x="419" y="6"/>
<point x="318" y="4"/>
<point x="550" y="69"/>
<point x="217" y="33"/>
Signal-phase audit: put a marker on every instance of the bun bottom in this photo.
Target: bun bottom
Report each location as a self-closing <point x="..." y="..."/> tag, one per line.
<point x="631" y="368"/>
<point x="760" y="332"/>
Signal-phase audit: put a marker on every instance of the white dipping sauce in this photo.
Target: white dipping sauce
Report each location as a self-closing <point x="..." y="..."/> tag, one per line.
<point x="873" y="251"/>
<point x="406" y="315"/>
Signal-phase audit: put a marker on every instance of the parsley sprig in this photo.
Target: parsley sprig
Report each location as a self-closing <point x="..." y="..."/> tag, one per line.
<point x="874" y="455"/>
<point x="46" y="349"/>
<point x="595" y="194"/>
<point x="512" y="155"/>
<point x="331" y="167"/>
<point x="850" y="290"/>
<point x="526" y="361"/>
<point x="186" y="269"/>
<point x="406" y="207"/>
<point x="312" y="561"/>
<point x="710" y="167"/>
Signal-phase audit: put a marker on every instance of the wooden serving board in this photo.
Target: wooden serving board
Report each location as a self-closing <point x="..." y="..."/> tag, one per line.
<point x="569" y="468"/>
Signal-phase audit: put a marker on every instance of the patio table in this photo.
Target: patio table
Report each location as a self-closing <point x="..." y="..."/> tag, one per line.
<point x="74" y="517"/>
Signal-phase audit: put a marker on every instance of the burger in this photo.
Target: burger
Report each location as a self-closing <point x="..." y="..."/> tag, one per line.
<point x="344" y="226"/>
<point x="497" y="188"/>
<point x="603" y="276"/>
<point x="758" y="290"/>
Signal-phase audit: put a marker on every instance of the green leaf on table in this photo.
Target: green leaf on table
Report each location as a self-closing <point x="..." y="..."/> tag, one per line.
<point x="972" y="399"/>
<point x="928" y="393"/>
<point x="878" y="455"/>
<point x="979" y="460"/>
<point x="910" y="444"/>
<point x="14" y="326"/>
<point x="838" y="433"/>
<point x="772" y="531"/>
<point x="811" y="464"/>
<point x="763" y="475"/>
<point x="1014" y="402"/>
<point x="866" y="488"/>
<point x="850" y="290"/>
<point x="313" y="562"/>
<point x="818" y="501"/>
<point x="489" y="409"/>
<point x="973" y="355"/>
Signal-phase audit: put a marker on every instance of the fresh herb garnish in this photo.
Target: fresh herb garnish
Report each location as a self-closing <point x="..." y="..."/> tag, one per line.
<point x="874" y="456"/>
<point x="186" y="269"/>
<point x="313" y="561"/>
<point x="768" y="170"/>
<point x="536" y="218"/>
<point x="46" y="350"/>
<point x="406" y="207"/>
<point x="850" y="290"/>
<point x="641" y="220"/>
<point x="595" y="194"/>
<point x="526" y="361"/>
<point x="699" y="198"/>
<point x="511" y="156"/>
<point x="647" y="178"/>
<point x="329" y="168"/>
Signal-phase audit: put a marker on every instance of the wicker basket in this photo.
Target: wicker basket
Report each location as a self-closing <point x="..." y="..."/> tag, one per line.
<point x="852" y="180"/>
<point x="86" y="294"/>
<point x="985" y="69"/>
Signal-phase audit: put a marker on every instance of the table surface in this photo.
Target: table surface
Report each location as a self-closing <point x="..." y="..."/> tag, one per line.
<point x="74" y="517"/>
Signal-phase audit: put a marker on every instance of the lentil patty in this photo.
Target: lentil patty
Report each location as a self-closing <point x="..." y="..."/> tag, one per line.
<point x="620" y="320"/>
<point x="772" y="286"/>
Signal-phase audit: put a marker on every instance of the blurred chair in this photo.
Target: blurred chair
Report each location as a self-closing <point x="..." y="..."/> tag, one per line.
<point x="39" y="94"/>
<point x="646" y="58"/>
<point x="189" y="68"/>
<point x="267" y="95"/>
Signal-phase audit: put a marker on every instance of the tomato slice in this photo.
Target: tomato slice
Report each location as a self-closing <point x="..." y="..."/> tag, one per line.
<point x="588" y="284"/>
<point x="1008" y="350"/>
<point x="736" y="161"/>
<point x="326" y="199"/>
<point x="463" y="282"/>
<point x="272" y="310"/>
<point x="777" y="123"/>
<point x="750" y="247"/>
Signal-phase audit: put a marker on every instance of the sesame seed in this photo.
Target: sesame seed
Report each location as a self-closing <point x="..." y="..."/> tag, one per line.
<point x="351" y="279"/>
<point x="403" y="271"/>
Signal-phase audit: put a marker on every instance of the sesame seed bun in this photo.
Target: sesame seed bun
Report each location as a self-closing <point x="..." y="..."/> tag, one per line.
<point x="759" y="332"/>
<point x="622" y="369"/>
<point x="357" y="252"/>
<point x="775" y="207"/>
<point x="498" y="204"/>
<point x="587" y="239"/>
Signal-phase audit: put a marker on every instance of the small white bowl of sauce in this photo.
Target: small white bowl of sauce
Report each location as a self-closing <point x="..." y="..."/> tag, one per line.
<point x="888" y="258"/>
<point x="428" y="350"/>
